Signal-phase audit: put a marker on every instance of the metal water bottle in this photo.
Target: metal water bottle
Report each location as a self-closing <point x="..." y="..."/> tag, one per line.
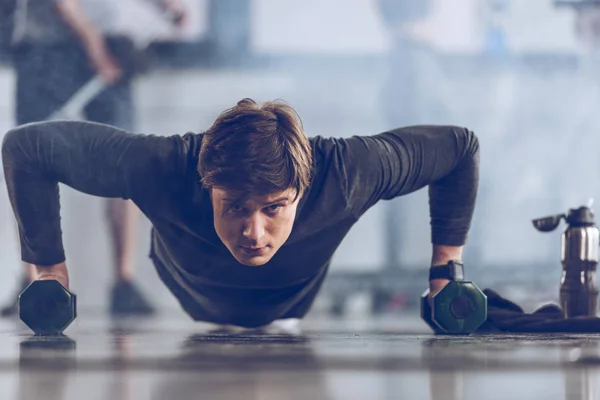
<point x="579" y="258"/>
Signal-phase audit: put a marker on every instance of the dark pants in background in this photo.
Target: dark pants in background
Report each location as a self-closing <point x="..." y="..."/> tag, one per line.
<point x="49" y="74"/>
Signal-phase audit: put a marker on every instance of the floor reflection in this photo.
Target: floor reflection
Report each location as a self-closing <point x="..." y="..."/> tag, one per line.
<point x="45" y="363"/>
<point x="126" y="362"/>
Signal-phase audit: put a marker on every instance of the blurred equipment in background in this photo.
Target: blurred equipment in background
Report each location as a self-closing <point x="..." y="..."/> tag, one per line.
<point x="579" y="257"/>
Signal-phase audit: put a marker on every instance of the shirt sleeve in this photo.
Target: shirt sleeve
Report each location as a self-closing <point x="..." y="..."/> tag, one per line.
<point x="402" y="161"/>
<point x="92" y="158"/>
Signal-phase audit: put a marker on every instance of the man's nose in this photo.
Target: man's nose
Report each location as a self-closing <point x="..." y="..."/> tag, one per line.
<point x="254" y="228"/>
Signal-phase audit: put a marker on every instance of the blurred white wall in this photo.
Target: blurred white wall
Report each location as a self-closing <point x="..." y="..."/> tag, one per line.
<point x="317" y="26"/>
<point x="455" y="26"/>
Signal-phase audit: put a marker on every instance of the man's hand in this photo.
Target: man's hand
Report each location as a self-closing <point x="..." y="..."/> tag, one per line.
<point x="56" y="272"/>
<point x="178" y="10"/>
<point x="441" y="256"/>
<point x="436" y="285"/>
<point x="104" y="64"/>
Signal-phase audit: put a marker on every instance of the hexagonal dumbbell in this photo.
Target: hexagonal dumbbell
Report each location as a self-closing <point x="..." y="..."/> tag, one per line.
<point x="47" y="307"/>
<point x="426" y="313"/>
<point x="459" y="308"/>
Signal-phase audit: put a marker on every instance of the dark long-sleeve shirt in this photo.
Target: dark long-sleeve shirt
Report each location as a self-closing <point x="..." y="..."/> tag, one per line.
<point x="160" y="175"/>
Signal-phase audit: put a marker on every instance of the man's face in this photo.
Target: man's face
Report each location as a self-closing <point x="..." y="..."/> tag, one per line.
<point x="254" y="230"/>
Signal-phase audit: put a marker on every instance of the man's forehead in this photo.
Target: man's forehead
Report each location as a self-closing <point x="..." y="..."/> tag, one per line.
<point x="232" y="195"/>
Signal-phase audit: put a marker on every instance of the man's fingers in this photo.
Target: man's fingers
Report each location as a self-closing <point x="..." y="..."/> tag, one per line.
<point x="60" y="278"/>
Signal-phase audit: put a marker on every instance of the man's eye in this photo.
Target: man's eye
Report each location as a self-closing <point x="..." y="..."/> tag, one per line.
<point x="274" y="207"/>
<point x="237" y="208"/>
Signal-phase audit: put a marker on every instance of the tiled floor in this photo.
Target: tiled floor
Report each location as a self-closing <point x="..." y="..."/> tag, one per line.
<point x="172" y="358"/>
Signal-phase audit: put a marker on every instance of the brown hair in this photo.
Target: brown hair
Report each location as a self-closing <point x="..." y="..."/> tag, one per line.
<point x="256" y="149"/>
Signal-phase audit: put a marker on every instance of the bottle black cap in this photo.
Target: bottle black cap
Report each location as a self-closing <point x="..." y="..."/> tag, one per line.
<point x="582" y="216"/>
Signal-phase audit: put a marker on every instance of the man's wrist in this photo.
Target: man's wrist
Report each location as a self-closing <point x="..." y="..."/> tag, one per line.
<point x="56" y="272"/>
<point x="442" y="254"/>
<point x="453" y="270"/>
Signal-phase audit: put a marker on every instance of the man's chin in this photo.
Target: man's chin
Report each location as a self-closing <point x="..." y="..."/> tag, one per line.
<point x="253" y="261"/>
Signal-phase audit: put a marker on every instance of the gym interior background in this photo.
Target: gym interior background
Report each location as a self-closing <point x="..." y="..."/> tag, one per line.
<point x="513" y="71"/>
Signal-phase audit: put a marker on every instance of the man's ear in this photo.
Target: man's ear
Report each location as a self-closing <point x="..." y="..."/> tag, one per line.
<point x="298" y="195"/>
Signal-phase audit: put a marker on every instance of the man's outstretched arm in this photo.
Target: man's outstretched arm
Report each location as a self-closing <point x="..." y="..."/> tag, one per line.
<point x="92" y="158"/>
<point x="402" y="161"/>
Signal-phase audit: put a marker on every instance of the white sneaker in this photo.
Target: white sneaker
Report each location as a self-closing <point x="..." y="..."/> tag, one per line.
<point x="289" y="326"/>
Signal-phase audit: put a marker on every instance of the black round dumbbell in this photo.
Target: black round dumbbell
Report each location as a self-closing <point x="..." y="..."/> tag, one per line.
<point x="47" y="307"/>
<point x="459" y="308"/>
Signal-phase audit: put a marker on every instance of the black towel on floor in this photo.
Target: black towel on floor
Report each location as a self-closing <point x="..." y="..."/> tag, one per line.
<point x="506" y="316"/>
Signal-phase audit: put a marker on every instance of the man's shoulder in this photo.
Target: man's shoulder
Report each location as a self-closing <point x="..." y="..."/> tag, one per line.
<point x="192" y="141"/>
<point x="185" y="148"/>
<point x="183" y="144"/>
<point x="323" y="144"/>
<point x="340" y="149"/>
<point x="331" y="161"/>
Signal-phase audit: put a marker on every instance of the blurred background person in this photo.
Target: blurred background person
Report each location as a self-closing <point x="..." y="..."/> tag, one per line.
<point x="57" y="46"/>
<point x="587" y="23"/>
<point x="403" y="94"/>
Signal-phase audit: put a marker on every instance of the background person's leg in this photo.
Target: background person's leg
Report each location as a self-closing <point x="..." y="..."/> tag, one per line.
<point x="115" y="106"/>
<point x="123" y="217"/>
<point x="126" y="298"/>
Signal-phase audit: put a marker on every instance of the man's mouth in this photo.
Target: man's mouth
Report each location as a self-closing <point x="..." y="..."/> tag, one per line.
<point x="254" y="251"/>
